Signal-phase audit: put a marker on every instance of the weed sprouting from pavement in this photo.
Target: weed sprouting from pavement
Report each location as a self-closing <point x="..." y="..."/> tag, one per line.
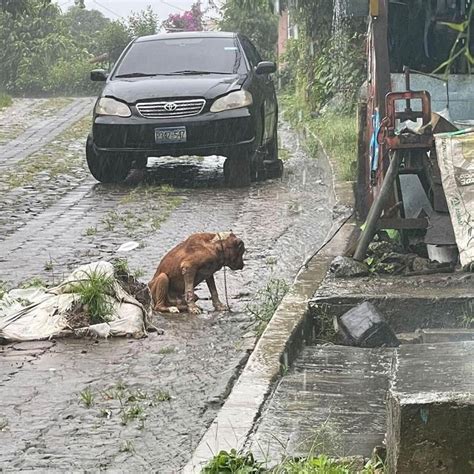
<point x="127" y="447"/>
<point x="166" y="350"/>
<point x="133" y="412"/>
<point x="161" y="396"/>
<point x="233" y="461"/>
<point x="87" y="397"/>
<point x="3" y="424"/>
<point x="105" y="413"/>
<point x="266" y="302"/>
<point x="91" y="231"/>
<point x="466" y="319"/>
<point x="324" y="325"/>
<point x="133" y="403"/>
<point x="95" y="295"/>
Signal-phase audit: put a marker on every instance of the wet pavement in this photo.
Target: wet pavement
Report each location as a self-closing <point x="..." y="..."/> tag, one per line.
<point x="151" y="399"/>
<point x="332" y="401"/>
<point x="41" y="131"/>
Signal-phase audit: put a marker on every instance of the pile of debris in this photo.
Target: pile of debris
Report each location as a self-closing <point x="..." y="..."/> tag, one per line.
<point x="94" y="300"/>
<point x="386" y="256"/>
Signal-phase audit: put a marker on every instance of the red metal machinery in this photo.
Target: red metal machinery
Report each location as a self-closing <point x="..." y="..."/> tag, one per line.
<point x="380" y="142"/>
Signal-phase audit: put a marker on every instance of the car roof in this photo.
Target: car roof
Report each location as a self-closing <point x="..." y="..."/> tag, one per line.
<point x="187" y="34"/>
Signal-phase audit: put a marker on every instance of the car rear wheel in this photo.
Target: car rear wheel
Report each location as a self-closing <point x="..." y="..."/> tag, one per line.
<point x="106" y="169"/>
<point x="237" y="172"/>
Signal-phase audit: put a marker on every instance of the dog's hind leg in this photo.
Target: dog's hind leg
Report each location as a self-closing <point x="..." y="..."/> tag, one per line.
<point x="159" y="287"/>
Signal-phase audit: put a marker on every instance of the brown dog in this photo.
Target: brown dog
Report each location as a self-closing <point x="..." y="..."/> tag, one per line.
<point x="188" y="264"/>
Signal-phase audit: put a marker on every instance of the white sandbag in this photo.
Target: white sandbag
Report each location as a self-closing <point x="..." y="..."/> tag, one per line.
<point x="455" y="153"/>
<point x="33" y="314"/>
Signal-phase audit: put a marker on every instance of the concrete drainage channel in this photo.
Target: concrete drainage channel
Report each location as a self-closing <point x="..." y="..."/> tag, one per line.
<point x="302" y="392"/>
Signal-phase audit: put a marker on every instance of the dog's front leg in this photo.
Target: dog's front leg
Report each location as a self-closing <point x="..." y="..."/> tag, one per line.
<point x="218" y="305"/>
<point x="189" y="276"/>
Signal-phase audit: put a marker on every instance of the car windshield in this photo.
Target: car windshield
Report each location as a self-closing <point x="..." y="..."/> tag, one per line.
<point x="182" y="56"/>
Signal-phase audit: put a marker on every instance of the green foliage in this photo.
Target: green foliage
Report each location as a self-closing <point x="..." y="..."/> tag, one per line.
<point x="44" y="51"/>
<point x="462" y="46"/>
<point x="257" y="23"/>
<point x="95" y="295"/>
<point x="113" y="39"/>
<point x="233" y="462"/>
<point x="87" y="397"/>
<point x="266" y="302"/>
<point x="5" y="100"/>
<point x="313" y="465"/>
<point x="335" y="130"/>
<point x="143" y="23"/>
<point x="85" y="27"/>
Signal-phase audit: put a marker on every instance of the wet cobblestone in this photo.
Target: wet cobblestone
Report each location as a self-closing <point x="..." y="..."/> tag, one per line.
<point x="47" y="426"/>
<point x="41" y="131"/>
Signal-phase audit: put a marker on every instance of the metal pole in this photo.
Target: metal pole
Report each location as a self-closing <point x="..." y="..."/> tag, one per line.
<point x="378" y="206"/>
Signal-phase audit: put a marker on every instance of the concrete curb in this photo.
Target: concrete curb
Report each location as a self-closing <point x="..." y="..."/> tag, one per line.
<point x="273" y="352"/>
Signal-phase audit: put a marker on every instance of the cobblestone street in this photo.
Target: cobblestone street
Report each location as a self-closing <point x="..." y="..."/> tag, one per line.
<point x="152" y="398"/>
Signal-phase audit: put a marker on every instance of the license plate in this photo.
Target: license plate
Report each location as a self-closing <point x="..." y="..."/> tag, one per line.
<point x="170" y="135"/>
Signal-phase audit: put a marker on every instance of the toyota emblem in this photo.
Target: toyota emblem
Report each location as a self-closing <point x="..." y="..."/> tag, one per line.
<point x="170" y="106"/>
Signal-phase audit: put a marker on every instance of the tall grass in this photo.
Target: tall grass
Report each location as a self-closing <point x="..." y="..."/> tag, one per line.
<point x="5" y="100"/>
<point x="95" y="293"/>
<point x="337" y="132"/>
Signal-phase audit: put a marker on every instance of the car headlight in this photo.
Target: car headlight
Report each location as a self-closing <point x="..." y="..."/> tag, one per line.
<point x="108" y="106"/>
<point x="234" y="100"/>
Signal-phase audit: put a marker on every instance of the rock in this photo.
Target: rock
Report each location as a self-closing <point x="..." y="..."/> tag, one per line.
<point x="345" y="267"/>
<point x="430" y="409"/>
<point x="421" y="264"/>
<point x="364" y="326"/>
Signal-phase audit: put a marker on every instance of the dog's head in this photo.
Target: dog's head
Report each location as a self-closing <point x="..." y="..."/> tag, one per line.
<point x="234" y="249"/>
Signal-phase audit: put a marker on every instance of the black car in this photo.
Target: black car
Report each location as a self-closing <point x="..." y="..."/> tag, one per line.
<point x="176" y="94"/>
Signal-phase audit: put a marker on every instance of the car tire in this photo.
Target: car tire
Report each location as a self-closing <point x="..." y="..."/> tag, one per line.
<point x="106" y="169"/>
<point x="273" y="165"/>
<point x="237" y="172"/>
<point x="257" y="166"/>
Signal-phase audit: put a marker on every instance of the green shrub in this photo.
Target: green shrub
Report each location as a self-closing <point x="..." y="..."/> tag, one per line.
<point x="5" y="100"/>
<point x="95" y="292"/>
<point x="233" y="462"/>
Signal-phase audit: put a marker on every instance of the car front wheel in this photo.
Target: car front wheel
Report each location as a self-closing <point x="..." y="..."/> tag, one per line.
<point x="106" y="169"/>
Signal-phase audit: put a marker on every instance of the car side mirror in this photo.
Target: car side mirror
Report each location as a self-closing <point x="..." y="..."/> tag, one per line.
<point x="265" y="67"/>
<point x="99" y="75"/>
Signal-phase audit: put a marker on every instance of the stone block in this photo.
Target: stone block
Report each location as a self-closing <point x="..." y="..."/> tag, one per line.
<point x="431" y="410"/>
<point x="364" y="326"/>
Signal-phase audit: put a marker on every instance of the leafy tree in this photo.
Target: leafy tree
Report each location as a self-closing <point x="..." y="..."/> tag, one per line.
<point x="190" y="20"/>
<point x="143" y="23"/>
<point x="258" y="23"/>
<point x="85" y="27"/>
<point x="113" y="39"/>
<point x="30" y="42"/>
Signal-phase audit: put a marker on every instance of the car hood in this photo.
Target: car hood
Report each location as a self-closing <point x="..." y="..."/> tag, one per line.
<point x="133" y="90"/>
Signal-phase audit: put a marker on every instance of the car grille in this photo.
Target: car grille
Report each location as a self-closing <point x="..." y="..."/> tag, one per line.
<point x="171" y="109"/>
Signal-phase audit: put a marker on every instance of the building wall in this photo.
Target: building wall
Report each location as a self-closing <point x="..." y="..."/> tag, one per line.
<point x="282" y="33"/>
